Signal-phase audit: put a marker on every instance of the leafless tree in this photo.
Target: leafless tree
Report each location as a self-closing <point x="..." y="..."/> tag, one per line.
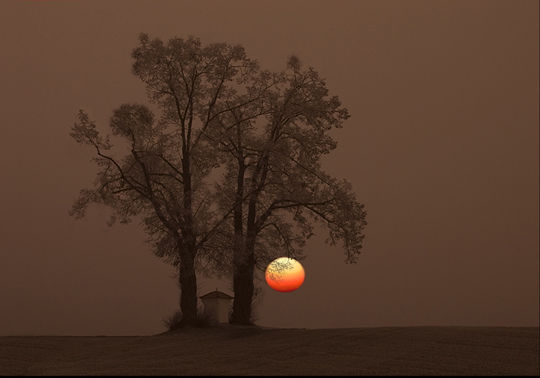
<point x="274" y="180"/>
<point x="163" y="176"/>
<point x="267" y="131"/>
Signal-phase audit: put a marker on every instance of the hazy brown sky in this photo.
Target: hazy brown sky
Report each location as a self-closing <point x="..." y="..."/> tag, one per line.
<point x="442" y="147"/>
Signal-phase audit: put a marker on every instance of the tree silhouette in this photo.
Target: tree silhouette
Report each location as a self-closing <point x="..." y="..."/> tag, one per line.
<point x="219" y="112"/>
<point x="274" y="180"/>
<point x="163" y="178"/>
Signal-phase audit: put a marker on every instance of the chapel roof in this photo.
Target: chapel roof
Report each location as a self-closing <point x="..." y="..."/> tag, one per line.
<point x="216" y="295"/>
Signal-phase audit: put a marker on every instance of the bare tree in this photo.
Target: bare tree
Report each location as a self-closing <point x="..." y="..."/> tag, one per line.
<point x="163" y="178"/>
<point x="274" y="179"/>
<point x="217" y="109"/>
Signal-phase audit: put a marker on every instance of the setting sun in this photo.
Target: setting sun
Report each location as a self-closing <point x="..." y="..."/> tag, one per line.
<point x="285" y="274"/>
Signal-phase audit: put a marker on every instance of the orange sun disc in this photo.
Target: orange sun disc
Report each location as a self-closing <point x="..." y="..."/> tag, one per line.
<point x="285" y="274"/>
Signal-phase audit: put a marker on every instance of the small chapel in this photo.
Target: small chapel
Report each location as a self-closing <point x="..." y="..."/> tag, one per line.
<point x="217" y="306"/>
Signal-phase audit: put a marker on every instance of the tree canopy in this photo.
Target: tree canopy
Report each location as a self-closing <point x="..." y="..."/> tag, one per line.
<point x="227" y="170"/>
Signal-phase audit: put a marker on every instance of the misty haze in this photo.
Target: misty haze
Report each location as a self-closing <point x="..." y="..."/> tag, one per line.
<point x="159" y="156"/>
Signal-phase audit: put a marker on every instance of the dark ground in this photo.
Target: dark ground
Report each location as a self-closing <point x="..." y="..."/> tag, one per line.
<point x="247" y="351"/>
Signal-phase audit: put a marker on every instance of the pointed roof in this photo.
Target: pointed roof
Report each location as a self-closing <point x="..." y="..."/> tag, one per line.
<point x="216" y="295"/>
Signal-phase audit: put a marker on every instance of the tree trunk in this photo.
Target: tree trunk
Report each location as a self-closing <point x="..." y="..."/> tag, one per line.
<point x="188" y="279"/>
<point x="242" y="280"/>
<point x="244" y="266"/>
<point x="188" y="288"/>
